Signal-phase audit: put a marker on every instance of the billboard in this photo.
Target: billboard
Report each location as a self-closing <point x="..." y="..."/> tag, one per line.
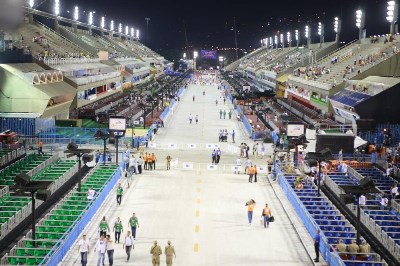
<point x="295" y="130"/>
<point x="208" y="54"/>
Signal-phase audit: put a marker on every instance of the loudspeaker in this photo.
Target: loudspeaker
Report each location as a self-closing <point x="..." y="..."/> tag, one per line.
<point x="72" y="146"/>
<point x="87" y="158"/>
<point x="367" y="183"/>
<point x="22" y="179"/>
<point x="43" y="194"/>
<point x="347" y="199"/>
<point x="326" y="153"/>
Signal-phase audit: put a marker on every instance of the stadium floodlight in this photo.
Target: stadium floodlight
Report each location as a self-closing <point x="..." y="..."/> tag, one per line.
<point x="319" y="28"/>
<point x="336" y="25"/>
<point x="90" y="18"/>
<point x="276" y="39"/>
<point x="288" y="37"/>
<point x="132" y="32"/>
<point x="57" y="7"/>
<point x="296" y="35"/>
<point x="184" y="55"/>
<point x="31" y="3"/>
<point x="103" y="22"/>
<point x="270" y="41"/>
<point x="306" y="32"/>
<point x="137" y="34"/>
<point x="359" y="18"/>
<point x="266" y="41"/>
<point x="390" y="11"/>
<point x="120" y="28"/>
<point x="195" y="54"/>
<point x="220" y="58"/>
<point x="76" y="13"/>
<point x="112" y="25"/>
<point x="126" y="30"/>
<point x="281" y="38"/>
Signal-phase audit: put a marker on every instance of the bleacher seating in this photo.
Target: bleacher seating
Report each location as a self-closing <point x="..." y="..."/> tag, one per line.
<point x="54" y="227"/>
<point x="8" y="155"/>
<point x="350" y="98"/>
<point x="332" y="224"/>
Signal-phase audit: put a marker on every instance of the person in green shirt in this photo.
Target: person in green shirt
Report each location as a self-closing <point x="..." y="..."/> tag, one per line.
<point x="120" y="191"/>
<point x="134" y="223"/>
<point x="118" y="228"/>
<point x="103" y="227"/>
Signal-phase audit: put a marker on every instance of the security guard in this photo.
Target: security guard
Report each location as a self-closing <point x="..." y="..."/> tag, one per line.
<point x="156" y="252"/>
<point x="169" y="253"/>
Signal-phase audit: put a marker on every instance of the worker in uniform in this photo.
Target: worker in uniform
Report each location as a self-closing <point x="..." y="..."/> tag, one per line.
<point x="169" y="253"/>
<point x="156" y="252"/>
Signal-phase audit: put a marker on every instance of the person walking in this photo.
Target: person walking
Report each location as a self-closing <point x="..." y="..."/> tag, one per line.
<point x="230" y="114"/>
<point x="169" y="159"/>
<point x="266" y="213"/>
<point x="197" y="119"/>
<point x="40" y="148"/>
<point x="190" y="118"/>
<point x="128" y="245"/>
<point x="145" y="161"/>
<point x="140" y="162"/>
<point x="224" y="114"/>
<point x="134" y="223"/>
<point x="169" y="253"/>
<point x="247" y="166"/>
<point x="149" y="162"/>
<point x="118" y="228"/>
<point x="224" y="100"/>
<point x="213" y="157"/>
<point x="156" y="252"/>
<point x="216" y="102"/>
<point x="153" y="161"/>
<point x="110" y="250"/>
<point x="218" y="156"/>
<point x="120" y="190"/>
<point x="255" y="173"/>
<point x="317" y="239"/>
<point x="101" y="249"/>
<point x="220" y="113"/>
<point x="103" y="227"/>
<point x="233" y="136"/>
<point x="193" y="98"/>
<point x="250" y="207"/>
<point x="251" y="170"/>
<point x="83" y="248"/>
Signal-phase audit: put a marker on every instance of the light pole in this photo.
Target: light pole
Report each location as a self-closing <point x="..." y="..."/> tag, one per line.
<point x="195" y="55"/>
<point x="392" y="15"/>
<point x="289" y="39"/>
<point x="307" y="35"/>
<point x="360" y="24"/>
<point x="282" y="41"/>
<point x="337" y="26"/>
<point x="296" y="36"/>
<point x="276" y="41"/>
<point x="321" y="33"/>
<point x="102" y="25"/>
<point x="76" y="17"/>
<point x="90" y="22"/>
<point x="103" y="136"/>
<point x="57" y="13"/>
<point x="147" y="30"/>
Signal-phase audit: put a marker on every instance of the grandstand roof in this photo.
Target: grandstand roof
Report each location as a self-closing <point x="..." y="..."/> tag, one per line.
<point x="349" y="98"/>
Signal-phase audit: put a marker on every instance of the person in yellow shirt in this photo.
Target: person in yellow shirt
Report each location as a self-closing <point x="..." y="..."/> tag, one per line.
<point x="266" y="213"/>
<point x="250" y="207"/>
<point x="153" y="159"/>
<point x="149" y="162"/>
<point x="251" y="171"/>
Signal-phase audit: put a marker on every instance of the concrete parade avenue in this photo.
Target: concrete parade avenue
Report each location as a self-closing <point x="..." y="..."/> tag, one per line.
<point x="202" y="211"/>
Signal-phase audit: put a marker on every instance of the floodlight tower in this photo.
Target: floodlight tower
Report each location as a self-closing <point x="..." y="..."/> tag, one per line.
<point x="271" y="43"/>
<point x="132" y="33"/>
<point x="90" y="22"/>
<point x="102" y="25"/>
<point x="321" y="33"/>
<point x="276" y="41"/>
<point x="195" y="55"/>
<point x="360" y="24"/>
<point x="120" y="30"/>
<point x="127" y="31"/>
<point x="112" y="28"/>
<point x="56" y="13"/>
<point x="282" y="39"/>
<point x="307" y="35"/>
<point x="76" y="17"/>
<point x="137" y="34"/>
<point x="289" y="39"/>
<point x="337" y="26"/>
<point x="296" y="36"/>
<point x="392" y="15"/>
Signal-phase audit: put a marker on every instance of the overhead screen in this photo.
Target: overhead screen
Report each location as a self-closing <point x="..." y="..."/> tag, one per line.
<point x="295" y="130"/>
<point x="208" y="54"/>
<point x="117" y="123"/>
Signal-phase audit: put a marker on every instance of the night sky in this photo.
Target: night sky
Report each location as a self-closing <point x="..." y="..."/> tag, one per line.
<point x="210" y="23"/>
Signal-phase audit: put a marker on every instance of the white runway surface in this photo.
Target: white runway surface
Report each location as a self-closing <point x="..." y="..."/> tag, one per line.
<point x="202" y="212"/>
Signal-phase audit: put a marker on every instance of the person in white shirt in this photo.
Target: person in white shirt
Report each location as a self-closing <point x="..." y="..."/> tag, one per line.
<point x="101" y="249"/>
<point x="128" y="244"/>
<point x="83" y="248"/>
<point x="132" y="165"/>
<point x="394" y="190"/>
<point x="90" y="194"/>
<point x="384" y="202"/>
<point x="238" y="165"/>
<point x="389" y="170"/>
<point x="362" y="200"/>
<point x="110" y="250"/>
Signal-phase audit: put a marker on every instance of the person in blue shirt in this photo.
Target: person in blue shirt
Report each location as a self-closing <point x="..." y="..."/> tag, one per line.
<point x="373" y="157"/>
<point x="317" y="239"/>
